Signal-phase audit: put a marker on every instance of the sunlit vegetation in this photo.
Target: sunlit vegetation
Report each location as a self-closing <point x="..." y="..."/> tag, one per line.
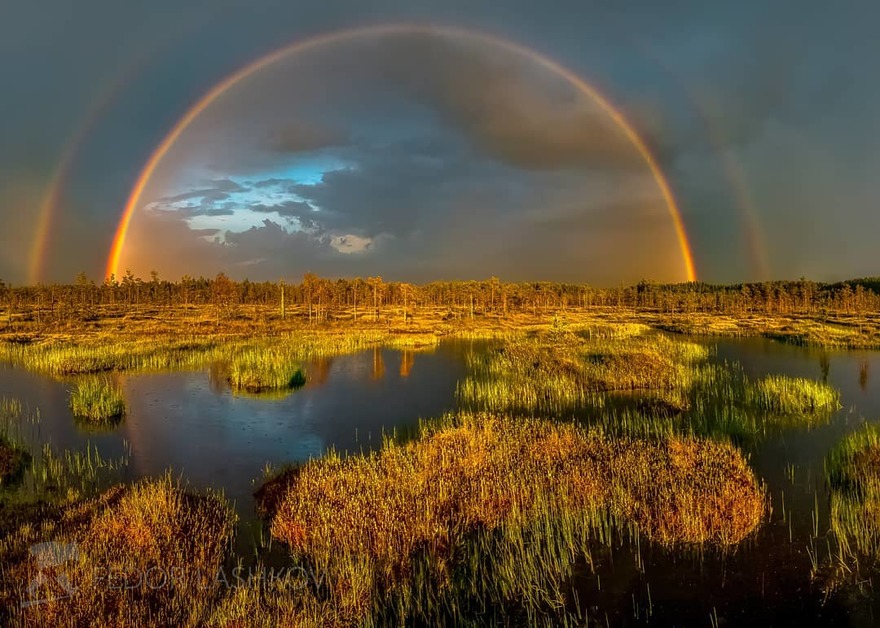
<point x="779" y="394"/>
<point x="853" y="470"/>
<point x="146" y="554"/>
<point x="834" y="331"/>
<point x="105" y="354"/>
<point x="642" y="383"/>
<point x="259" y="370"/>
<point x="97" y="399"/>
<point x="836" y="315"/>
<point x="387" y="528"/>
<point x="551" y="371"/>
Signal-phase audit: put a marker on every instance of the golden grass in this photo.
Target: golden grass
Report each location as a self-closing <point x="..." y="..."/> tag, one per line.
<point x="147" y="554"/>
<point x="362" y="520"/>
<point x="549" y="371"/>
<point x="833" y="332"/>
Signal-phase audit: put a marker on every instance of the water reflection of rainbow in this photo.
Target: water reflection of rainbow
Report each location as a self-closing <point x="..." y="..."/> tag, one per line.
<point x="604" y="104"/>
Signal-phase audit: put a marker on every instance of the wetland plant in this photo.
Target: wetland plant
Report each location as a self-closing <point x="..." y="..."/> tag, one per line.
<point x="97" y="399"/>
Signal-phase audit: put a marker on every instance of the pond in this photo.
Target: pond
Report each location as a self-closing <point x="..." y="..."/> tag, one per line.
<point x="193" y="424"/>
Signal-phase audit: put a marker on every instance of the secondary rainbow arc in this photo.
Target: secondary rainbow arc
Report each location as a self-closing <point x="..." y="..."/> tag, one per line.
<point x="133" y="202"/>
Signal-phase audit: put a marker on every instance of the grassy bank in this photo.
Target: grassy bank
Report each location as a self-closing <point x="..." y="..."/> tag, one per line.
<point x="126" y="546"/>
<point x="386" y="528"/>
<point x="264" y="358"/>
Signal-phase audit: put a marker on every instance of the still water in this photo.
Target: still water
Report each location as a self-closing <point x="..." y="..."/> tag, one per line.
<point x="193" y="424"/>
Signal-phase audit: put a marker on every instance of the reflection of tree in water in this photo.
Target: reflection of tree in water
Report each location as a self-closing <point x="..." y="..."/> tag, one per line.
<point x="319" y="371"/>
<point x="407" y="358"/>
<point x="825" y="365"/>
<point x="378" y="364"/>
<point x="217" y="378"/>
<point x="863" y="375"/>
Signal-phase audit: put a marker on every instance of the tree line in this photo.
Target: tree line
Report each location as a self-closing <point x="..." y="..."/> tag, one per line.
<point x="321" y="298"/>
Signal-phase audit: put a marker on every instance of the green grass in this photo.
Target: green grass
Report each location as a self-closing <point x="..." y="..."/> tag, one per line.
<point x="853" y="472"/>
<point x="97" y="399"/>
<point x="259" y="370"/>
<point x="837" y="332"/>
<point x="779" y="394"/>
<point x="522" y="497"/>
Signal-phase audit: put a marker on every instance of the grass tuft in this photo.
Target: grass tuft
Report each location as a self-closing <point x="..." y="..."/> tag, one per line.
<point x="97" y="399"/>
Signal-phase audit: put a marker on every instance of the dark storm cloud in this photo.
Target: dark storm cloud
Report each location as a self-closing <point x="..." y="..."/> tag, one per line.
<point x="300" y="137"/>
<point x="787" y="89"/>
<point x="529" y="121"/>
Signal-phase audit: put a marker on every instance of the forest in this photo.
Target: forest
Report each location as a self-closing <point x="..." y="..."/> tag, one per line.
<point x="320" y="298"/>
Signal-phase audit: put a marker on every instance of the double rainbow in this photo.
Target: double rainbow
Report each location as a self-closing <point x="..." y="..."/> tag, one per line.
<point x="134" y="199"/>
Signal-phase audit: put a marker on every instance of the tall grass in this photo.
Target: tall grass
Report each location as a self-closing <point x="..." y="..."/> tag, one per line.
<point x="93" y="355"/>
<point x="148" y="554"/>
<point x="387" y="528"/>
<point x="853" y="472"/>
<point x="258" y="370"/>
<point x="643" y="385"/>
<point x="554" y="371"/>
<point x="780" y="394"/>
<point x="97" y="399"/>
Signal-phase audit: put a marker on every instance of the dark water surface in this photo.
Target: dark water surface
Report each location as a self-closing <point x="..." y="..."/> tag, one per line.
<point x="193" y="424"/>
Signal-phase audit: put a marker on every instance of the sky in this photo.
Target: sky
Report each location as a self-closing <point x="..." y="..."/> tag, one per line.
<point x="465" y="147"/>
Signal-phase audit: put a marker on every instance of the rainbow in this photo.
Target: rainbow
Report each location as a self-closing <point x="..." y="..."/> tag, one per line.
<point x="732" y="167"/>
<point x="77" y="140"/>
<point x="205" y="101"/>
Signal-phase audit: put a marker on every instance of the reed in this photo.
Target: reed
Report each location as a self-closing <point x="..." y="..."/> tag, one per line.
<point x="853" y="472"/>
<point x="97" y="399"/>
<point x="551" y="371"/>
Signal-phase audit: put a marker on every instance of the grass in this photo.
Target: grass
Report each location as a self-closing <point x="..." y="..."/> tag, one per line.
<point x="639" y="383"/>
<point x="780" y="394"/>
<point x="830" y="332"/>
<point x="257" y="371"/>
<point x="97" y="399"/>
<point x="147" y="554"/>
<point x="853" y="472"/>
<point x="551" y="371"/>
<point x="388" y="527"/>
